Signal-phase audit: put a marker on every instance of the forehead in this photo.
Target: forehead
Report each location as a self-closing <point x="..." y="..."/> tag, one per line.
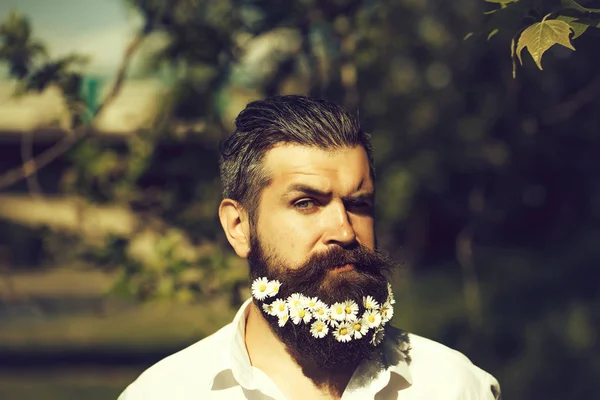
<point x="338" y="170"/>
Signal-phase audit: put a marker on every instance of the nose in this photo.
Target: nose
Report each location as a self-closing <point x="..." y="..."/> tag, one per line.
<point x="339" y="229"/>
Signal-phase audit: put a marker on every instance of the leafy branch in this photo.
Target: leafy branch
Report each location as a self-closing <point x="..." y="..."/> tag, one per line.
<point x="20" y="52"/>
<point x="560" y="19"/>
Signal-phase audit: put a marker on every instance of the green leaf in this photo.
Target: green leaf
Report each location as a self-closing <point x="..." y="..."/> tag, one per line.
<point x="540" y="36"/>
<point x="468" y="35"/>
<point x="578" y="27"/>
<point x="572" y="4"/>
<point x="492" y="33"/>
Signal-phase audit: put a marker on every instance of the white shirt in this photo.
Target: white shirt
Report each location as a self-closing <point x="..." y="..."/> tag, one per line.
<point x="218" y="368"/>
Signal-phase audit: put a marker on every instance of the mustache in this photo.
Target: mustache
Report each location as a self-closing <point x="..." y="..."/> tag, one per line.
<point x="364" y="260"/>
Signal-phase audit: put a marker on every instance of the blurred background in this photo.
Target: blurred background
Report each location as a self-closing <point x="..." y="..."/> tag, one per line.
<point x="111" y="112"/>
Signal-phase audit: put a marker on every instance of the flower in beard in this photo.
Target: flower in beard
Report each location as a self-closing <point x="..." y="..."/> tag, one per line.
<point x="351" y="309"/>
<point x="282" y="320"/>
<point x="377" y="337"/>
<point x="387" y="312"/>
<point x="370" y="303"/>
<point x="273" y="288"/>
<point x="300" y="314"/>
<point x="343" y="332"/>
<point x="279" y="308"/>
<point x="321" y="311"/>
<point x="296" y="300"/>
<point x="371" y="318"/>
<point x="259" y="288"/>
<point x="311" y="303"/>
<point x="319" y="329"/>
<point x="268" y="309"/>
<point x="337" y="311"/>
<point x="390" y="298"/>
<point x="360" y="329"/>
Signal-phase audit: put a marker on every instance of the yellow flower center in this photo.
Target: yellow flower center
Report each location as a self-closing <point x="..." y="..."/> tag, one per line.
<point x="281" y="307"/>
<point x="339" y="310"/>
<point x="384" y="312"/>
<point x="343" y="331"/>
<point x="296" y="302"/>
<point x="319" y="328"/>
<point x="348" y="310"/>
<point x="321" y="311"/>
<point x="357" y="327"/>
<point x="371" y="318"/>
<point x="262" y="288"/>
<point x="276" y="289"/>
<point x="312" y="304"/>
<point x="301" y="313"/>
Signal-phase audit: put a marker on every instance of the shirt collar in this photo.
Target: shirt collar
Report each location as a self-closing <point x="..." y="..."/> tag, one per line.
<point x="236" y="367"/>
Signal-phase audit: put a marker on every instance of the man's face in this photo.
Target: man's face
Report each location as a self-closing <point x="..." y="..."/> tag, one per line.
<point x="316" y="199"/>
<point x="314" y="234"/>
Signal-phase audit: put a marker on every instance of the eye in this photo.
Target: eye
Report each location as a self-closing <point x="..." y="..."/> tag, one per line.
<point x="305" y="204"/>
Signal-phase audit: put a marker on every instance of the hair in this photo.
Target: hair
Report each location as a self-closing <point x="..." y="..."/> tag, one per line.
<point x="291" y="119"/>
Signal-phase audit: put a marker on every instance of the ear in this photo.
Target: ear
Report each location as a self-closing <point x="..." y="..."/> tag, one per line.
<point x="234" y="220"/>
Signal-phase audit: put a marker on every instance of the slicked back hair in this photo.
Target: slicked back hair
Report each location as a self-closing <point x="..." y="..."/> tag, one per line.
<point x="278" y="120"/>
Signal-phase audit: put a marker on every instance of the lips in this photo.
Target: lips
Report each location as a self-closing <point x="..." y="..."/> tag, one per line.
<point x="344" y="268"/>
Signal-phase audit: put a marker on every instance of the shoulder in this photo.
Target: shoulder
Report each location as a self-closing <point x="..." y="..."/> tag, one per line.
<point x="188" y="371"/>
<point x="446" y="369"/>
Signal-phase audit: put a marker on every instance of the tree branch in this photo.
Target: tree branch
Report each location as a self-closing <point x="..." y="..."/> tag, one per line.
<point x="31" y="166"/>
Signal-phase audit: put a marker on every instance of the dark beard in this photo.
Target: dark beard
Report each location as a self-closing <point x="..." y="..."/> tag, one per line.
<point x="314" y="278"/>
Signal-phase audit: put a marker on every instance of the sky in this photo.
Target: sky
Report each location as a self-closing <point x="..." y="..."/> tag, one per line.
<point x="100" y="29"/>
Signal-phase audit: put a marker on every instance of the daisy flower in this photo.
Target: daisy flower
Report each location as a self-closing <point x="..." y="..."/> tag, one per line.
<point x="279" y="307"/>
<point x="273" y="288"/>
<point x="300" y="314"/>
<point x="371" y="318"/>
<point x="390" y="298"/>
<point x="296" y="300"/>
<point x="319" y="329"/>
<point x="370" y="303"/>
<point x="259" y="288"/>
<point x="283" y="320"/>
<point x="343" y="332"/>
<point x="312" y="302"/>
<point x="338" y="311"/>
<point x="268" y="309"/>
<point x="377" y="336"/>
<point x="387" y="312"/>
<point x="360" y="329"/>
<point x="350" y="307"/>
<point x="321" y="311"/>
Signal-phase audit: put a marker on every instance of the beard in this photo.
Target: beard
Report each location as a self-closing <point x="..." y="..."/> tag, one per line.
<point x="316" y="278"/>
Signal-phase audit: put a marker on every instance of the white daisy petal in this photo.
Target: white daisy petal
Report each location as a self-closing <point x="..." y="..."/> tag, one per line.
<point x="312" y="303"/>
<point x="296" y="300"/>
<point x="280" y="308"/>
<point x="377" y="337"/>
<point x="350" y="307"/>
<point x="372" y="318"/>
<point x="387" y="312"/>
<point x="268" y="309"/>
<point x="370" y="303"/>
<point x="319" y="329"/>
<point x="283" y="320"/>
<point x="338" y="311"/>
<point x="259" y="288"/>
<point x="273" y="288"/>
<point x="300" y="315"/>
<point x="360" y="329"/>
<point x="343" y="332"/>
<point x="390" y="298"/>
<point x="321" y="312"/>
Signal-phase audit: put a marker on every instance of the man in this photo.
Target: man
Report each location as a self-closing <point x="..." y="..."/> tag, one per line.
<point x="298" y="195"/>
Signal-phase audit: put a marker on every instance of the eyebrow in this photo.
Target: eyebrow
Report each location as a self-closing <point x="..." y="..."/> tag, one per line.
<point x="312" y="191"/>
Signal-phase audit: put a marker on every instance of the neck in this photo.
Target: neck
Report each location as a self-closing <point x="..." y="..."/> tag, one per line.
<point x="282" y="365"/>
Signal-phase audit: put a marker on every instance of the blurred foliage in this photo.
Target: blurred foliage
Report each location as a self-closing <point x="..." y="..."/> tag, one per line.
<point x="490" y="183"/>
